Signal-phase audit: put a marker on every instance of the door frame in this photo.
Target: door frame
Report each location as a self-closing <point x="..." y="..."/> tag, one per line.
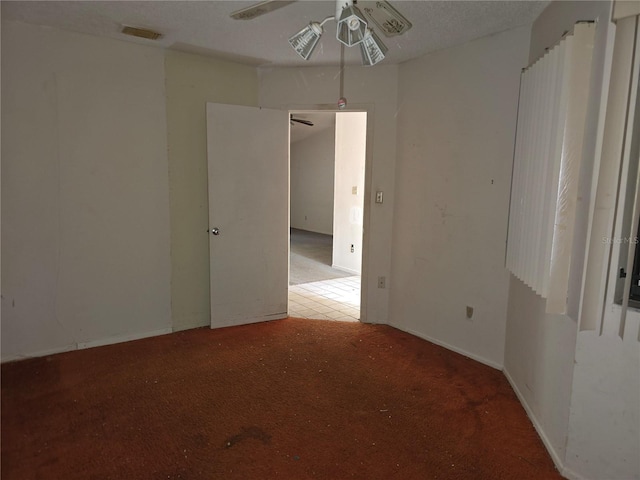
<point x="368" y="191"/>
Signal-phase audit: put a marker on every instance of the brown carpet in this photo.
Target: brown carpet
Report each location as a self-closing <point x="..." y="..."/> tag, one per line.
<point x="289" y="399"/>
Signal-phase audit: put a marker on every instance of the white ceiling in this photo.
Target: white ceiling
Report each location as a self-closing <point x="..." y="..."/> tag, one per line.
<point x="205" y="26"/>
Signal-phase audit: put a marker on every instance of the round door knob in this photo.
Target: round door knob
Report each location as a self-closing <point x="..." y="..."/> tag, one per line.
<point x="215" y="231"/>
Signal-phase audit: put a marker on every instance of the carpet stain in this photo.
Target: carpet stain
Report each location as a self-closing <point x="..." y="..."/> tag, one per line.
<point x="200" y="440"/>
<point x="296" y="399"/>
<point x="247" y="433"/>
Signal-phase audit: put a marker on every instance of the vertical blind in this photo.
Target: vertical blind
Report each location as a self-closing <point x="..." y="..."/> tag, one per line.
<point x="547" y="158"/>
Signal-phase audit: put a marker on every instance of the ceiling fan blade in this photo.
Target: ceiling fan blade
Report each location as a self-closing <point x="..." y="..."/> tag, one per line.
<point x="259" y="9"/>
<point x="386" y="18"/>
<point x="308" y="123"/>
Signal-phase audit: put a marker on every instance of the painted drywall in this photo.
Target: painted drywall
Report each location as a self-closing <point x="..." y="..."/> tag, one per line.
<point x="191" y="81"/>
<point x="312" y="173"/>
<point x="540" y="348"/>
<point x="456" y="127"/>
<point x="350" y="151"/>
<point x="85" y="204"/>
<point x="604" y="419"/>
<point x="580" y="389"/>
<point x="604" y="434"/>
<point x="539" y="354"/>
<point x="365" y="88"/>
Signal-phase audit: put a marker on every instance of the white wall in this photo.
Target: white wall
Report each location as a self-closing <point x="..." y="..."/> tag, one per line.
<point x="580" y="389"/>
<point x="350" y="151"/>
<point x="456" y="127"/>
<point x="539" y="355"/>
<point x="604" y="420"/>
<point x="191" y="82"/>
<point x="540" y="348"/>
<point x="312" y="176"/>
<point x="315" y="88"/>
<point x="604" y="434"/>
<point x="85" y="222"/>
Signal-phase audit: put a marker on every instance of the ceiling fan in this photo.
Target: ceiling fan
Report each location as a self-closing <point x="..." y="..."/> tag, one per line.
<point x="354" y="26"/>
<point x="302" y="121"/>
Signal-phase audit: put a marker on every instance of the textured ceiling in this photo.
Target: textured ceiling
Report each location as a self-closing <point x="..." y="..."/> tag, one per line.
<point x="205" y="26"/>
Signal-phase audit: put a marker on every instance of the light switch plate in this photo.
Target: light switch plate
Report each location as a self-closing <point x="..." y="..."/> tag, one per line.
<point x="379" y="197"/>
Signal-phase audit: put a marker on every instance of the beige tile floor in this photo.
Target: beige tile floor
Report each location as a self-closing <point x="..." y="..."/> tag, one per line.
<point x="337" y="299"/>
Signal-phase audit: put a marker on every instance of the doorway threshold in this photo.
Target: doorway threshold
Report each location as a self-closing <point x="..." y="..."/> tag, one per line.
<point x="336" y="299"/>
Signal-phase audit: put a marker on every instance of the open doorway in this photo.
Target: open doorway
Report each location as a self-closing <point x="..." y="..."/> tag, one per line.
<point x="327" y="165"/>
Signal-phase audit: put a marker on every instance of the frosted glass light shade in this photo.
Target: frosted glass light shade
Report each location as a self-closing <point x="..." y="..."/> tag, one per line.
<point x="352" y="26"/>
<point x="372" y="48"/>
<point x="387" y="19"/>
<point x="305" y="41"/>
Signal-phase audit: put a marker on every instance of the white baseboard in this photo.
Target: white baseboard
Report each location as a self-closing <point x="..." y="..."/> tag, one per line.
<point x="346" y="270"/>
<point x="123" y="338"/>
<point x="559" y="463"/>
<point x="94" y="343"/>
<point x="571" y="475"/>
<point x="470" y="355"/>
<point x="245" y="321"/>
<point x="41" y="353"/>
<point x="564" y="471"/>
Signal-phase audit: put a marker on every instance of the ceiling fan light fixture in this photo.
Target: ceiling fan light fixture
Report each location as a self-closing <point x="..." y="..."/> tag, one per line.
<point x="387" y="19"/>
<point x="352" y="26"/>
<point x="372" y="48"/>
<point x="305" y="41"/>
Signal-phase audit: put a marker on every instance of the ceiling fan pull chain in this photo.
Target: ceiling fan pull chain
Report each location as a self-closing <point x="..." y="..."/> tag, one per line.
<point x="342" y="101"/>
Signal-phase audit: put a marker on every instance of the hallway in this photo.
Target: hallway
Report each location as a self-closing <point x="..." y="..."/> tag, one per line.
<point x="316" y="290"/>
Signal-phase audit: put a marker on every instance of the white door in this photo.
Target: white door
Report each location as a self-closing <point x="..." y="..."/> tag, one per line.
<point x="248" y="158"/>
